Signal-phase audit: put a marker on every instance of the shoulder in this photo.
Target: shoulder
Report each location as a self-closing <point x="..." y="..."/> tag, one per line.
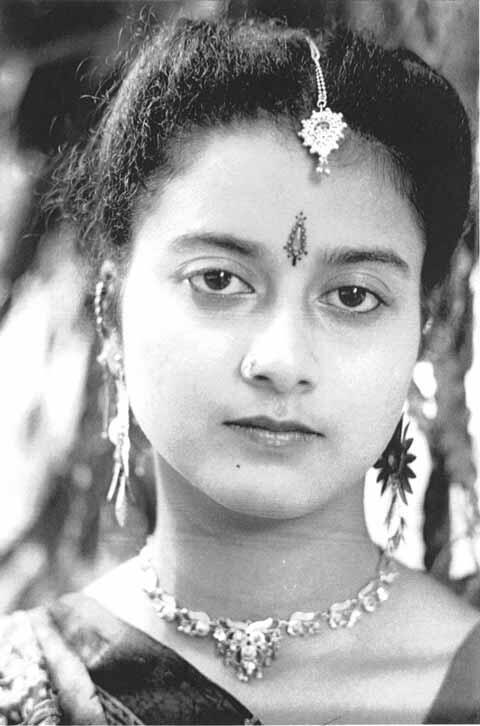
<point x="438" y="629"/>
<point x="417" y="584"/>
<point x="458" y="700"/>
<point x="430" y="613"/>
<point x="119" y="592"/>
<point x="423" y="620"/>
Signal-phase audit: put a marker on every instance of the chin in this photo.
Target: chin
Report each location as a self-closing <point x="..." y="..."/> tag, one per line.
<point x="262" y="504"/>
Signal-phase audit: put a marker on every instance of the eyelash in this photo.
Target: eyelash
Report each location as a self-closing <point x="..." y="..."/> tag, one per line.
<point x="365" y="292"/>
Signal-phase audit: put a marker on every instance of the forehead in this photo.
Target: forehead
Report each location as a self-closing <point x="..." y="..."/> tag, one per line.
<point x="253" y="181"/>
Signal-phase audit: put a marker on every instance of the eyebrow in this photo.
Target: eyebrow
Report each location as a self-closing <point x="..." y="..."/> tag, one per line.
<point x="247" y="248"/>
<point x="228" y="242"/>
<point x="378" y="255"/>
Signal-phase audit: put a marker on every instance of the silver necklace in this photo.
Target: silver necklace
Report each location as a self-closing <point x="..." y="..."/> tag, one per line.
<point x="250" y="646"/>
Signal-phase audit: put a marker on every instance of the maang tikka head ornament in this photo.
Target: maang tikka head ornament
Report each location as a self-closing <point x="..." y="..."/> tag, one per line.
<point x="324" y="129"/>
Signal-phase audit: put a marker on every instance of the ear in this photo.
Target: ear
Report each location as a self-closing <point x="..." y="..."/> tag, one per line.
<point x="106" y="317"/>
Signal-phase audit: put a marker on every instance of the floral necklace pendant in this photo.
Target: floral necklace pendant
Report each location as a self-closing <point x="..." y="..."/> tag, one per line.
<point x="247" y="647"/>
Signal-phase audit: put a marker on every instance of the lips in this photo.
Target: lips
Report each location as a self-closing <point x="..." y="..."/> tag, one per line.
<point x="269" y="424"/>
<point x="272" y="435"/>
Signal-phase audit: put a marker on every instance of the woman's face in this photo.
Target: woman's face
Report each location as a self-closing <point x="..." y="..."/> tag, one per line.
<point x="328" y="343"/>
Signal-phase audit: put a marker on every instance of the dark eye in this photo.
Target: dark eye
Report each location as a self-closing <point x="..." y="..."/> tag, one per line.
<point x="217" y="281"/>
<point x="353" y="297"/>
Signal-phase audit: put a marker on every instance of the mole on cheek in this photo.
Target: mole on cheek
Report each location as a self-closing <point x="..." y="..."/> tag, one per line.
<point x="237" y="466"/>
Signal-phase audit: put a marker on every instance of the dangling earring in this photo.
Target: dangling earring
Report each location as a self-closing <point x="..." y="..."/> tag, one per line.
<point x="117" y="430"/>
<point x="119" y="436"/>
<point x="394" y="474"/>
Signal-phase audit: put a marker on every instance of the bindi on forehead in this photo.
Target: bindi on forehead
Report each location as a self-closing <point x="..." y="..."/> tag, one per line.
<point x="296" y="246"/>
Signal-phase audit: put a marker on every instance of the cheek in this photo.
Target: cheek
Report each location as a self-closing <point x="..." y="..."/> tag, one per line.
<point x="174" y="368"/>
<point x="374" y="386"/>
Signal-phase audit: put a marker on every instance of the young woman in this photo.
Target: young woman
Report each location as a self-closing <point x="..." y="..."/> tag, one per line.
<point x="266" y="215"/>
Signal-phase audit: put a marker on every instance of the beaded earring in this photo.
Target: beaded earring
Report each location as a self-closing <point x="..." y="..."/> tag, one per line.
<point x="116" y="429"/>
<point x="394" y="474"/>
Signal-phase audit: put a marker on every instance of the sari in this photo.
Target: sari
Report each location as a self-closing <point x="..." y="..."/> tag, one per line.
<point x="73" y="662"/>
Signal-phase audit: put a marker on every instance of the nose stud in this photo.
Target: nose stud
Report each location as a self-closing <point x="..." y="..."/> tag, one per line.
<point x="247" y="368"/>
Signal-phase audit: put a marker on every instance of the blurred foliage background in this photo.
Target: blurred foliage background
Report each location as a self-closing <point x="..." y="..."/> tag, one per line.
<point x="56" y="57"/>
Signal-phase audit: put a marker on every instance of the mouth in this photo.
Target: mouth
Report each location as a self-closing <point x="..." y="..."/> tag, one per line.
<point x="270" y="432"/>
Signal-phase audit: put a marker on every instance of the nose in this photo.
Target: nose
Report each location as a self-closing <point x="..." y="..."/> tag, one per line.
<point x="281" y="356"/>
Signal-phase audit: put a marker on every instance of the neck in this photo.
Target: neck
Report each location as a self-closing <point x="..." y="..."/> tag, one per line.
<point x="231" y="565"/>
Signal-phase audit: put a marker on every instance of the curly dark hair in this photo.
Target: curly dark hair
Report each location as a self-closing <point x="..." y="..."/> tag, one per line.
<point x="194" y="76"/>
